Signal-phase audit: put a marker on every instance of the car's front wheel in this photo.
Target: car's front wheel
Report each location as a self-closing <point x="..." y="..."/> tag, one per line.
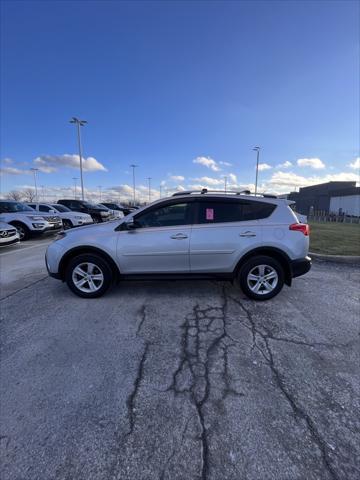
<point x="88" y="275"/>
<point x="261" y="277"/>
<point x="67" y="224"/>
<point x="24" y="232"/>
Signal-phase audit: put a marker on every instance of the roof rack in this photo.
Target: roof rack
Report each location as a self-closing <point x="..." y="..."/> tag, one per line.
<point x="228" y="192"/>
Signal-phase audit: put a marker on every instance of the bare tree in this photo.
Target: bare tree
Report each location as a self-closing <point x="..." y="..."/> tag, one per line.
<point x="29" y="194"/>
<point x="14" y="195"/>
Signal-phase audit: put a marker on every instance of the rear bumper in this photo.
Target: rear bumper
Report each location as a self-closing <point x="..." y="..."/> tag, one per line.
<point x="300" y="267"/>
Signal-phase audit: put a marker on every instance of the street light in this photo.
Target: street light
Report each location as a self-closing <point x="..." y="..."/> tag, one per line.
<point x="75" y="187"/>
<point x="160" y="190"/>
<point x="257" y="150"/>
<point x="225" y="180"/>
<point x="134" y="194"/>
<point x="100" y="187"/>
<point x="43" y="192"/>
<point x="80" y="123"/>
<point x="35" y="170"/>
<point x="149" y="180"/>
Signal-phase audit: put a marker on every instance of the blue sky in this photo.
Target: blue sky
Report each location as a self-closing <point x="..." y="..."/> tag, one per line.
<point x="165" y="83"/>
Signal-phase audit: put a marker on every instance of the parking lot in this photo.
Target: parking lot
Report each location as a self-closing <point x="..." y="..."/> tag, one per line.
<point x="182" y="380"/>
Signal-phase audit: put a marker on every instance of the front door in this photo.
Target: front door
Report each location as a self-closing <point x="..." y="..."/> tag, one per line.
<point x="160" y="242"/>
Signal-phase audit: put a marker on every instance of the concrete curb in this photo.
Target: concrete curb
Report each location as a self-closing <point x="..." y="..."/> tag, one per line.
<point x="347" y="259"/>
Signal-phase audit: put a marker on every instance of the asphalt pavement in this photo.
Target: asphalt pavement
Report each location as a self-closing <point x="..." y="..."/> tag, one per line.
<point x="178" y="380"/>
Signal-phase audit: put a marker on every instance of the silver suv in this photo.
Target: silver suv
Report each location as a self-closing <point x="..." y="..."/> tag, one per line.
<point x="255" y="239"/>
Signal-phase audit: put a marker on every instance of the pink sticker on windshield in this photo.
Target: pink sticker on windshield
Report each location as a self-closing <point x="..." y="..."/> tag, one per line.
<point x="209" y="214"/>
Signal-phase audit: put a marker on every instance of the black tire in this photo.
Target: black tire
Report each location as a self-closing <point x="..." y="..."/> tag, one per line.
<point x="23" y="230"/>
<point x="67" y="224"/>
<point x="101" y="266"/>
<point x="249" y="266"/>
<point x="95" y="219"/>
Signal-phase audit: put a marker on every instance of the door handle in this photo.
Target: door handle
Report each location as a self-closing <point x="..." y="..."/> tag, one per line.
<point x="247" y="234"/>
<point x="179" y="236"/>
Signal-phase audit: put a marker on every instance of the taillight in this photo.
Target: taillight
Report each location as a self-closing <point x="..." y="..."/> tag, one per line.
<point x="300" y="227"/>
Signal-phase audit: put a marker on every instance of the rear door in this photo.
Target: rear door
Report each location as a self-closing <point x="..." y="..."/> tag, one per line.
<point x="160" y="242"/>
<point x="223" y="231"/>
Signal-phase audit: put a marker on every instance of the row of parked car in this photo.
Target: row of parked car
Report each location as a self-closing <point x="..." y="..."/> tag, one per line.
<point x="20" y="221"/>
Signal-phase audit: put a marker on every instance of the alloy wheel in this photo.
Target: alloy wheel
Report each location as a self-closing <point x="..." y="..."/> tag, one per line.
<point x="88" y="277"/>
<point x="262" y="279"/>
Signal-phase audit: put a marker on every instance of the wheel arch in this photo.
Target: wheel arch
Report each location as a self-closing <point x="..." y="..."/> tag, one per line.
<point x="273" y="252"/>
<point x="83" y="250"/>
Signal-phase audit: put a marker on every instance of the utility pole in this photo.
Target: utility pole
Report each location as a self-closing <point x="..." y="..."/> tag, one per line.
<point x="257" y="150"/>
<point x="160" y="190"/>
<point x="225" y="180"/>
<point x="43" y="192"/>
<point x="100" y="187"/>
<point x="149" y="180"/>
<point x="134" y="189"/>
<point x="80" y="123"/>
<point x="75" y="188"/>
<point x="35" y="170"/>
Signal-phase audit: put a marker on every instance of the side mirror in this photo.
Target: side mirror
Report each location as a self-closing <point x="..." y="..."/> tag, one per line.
<point x="131" y="224"/>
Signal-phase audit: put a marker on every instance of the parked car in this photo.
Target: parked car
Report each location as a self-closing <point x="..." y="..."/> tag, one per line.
<point x="26" y="220"/>
<point x="98" y="214"/>
<point x="114" y="214"/>
<point x="255" y="239"/>
<point x="8" y="235"/>
<point x="69" y="218"/>
<point x="121" y="208"/>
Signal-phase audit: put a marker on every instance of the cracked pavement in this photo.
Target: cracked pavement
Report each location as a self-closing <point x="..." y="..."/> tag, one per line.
<point x="182" y="380"/>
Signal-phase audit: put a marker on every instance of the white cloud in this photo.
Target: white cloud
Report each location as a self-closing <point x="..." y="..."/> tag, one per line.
<point x="177" y="178"/>
<point x="7" y="161"/>
<point x="281" y="182"/>
<point x="226" y="164"/>
<point x="207" y="162"/>
<point x="51" y="163"/>
<point x="209" y="181"/>
<point x="286" y="164"/>
<point x="356" y="164"/>
<point x="264" y="166"/>
<point x="315" y="163"/>
<point x="14" y="171"/>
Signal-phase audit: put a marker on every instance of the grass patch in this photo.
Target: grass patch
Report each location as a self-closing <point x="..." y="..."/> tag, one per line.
<point x="335" y="238"/>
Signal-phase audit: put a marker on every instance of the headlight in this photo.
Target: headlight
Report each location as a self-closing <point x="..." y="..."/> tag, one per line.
<point x="35" y="217"/>
<point x="104" y="214"/>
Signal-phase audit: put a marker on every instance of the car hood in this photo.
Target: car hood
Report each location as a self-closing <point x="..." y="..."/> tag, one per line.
<point x="6" y="226"/>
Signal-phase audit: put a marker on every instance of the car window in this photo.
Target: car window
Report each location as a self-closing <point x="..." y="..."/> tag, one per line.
<point x="234" y="211"/>
<point x="166" y="216"/>
<point x="13" y="207"/>
<point x="44" y="208"/>
<point x="61" y="208"/>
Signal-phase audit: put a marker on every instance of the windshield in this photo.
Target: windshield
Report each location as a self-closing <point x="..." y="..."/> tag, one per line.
<point x="60" y="208"/>
<point x="90" y="205"/>
<point x="7" y="207"/>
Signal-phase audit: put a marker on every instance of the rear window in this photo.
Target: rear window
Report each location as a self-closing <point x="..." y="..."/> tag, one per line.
<point x="238" y="211"/>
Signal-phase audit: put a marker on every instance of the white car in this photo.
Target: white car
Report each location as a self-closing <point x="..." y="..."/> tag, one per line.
<point x="255" y="239"/>
<point x="69" y="218"/>
<point x="26" y="220"/>
<point x="114" y="214"/>
<point x="8" y="235"/>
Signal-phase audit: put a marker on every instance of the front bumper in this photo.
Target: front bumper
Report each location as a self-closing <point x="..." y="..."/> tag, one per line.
<point x="11" y="241"/>
<point x="300" y="266"/>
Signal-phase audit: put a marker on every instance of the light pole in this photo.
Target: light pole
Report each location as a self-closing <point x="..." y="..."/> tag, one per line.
<point x="134" y="194"/>
<point x="160" y="190"/>
<point x="257" y="150"/>
<point x="149" y="180"/>
<point x="100" y="187"/>
<point x="225" y="180"/>
<point x="43" y="192"/>
<point x="80" y="123"/>
<point x="75" y="187"/>
<point x="35" y="170"/>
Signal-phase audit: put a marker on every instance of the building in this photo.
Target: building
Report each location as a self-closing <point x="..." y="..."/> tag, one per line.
<point x="332" y="197"/>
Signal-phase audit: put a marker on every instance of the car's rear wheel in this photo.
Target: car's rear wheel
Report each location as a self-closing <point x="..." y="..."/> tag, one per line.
<point x="24" y="232"/>
<point x="261" y="277"/>
<point x="67" y="224"/>
<point x="88" y="275"/>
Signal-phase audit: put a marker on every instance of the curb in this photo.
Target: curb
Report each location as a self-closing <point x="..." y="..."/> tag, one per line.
<point x="347" y="259"/>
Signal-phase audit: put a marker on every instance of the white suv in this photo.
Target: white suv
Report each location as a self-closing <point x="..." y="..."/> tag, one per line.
<point x="256" y="239"/>
<point x="69" y="218"/>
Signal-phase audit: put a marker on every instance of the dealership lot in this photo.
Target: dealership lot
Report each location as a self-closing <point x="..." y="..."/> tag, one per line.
<point x="181" y="380"/>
